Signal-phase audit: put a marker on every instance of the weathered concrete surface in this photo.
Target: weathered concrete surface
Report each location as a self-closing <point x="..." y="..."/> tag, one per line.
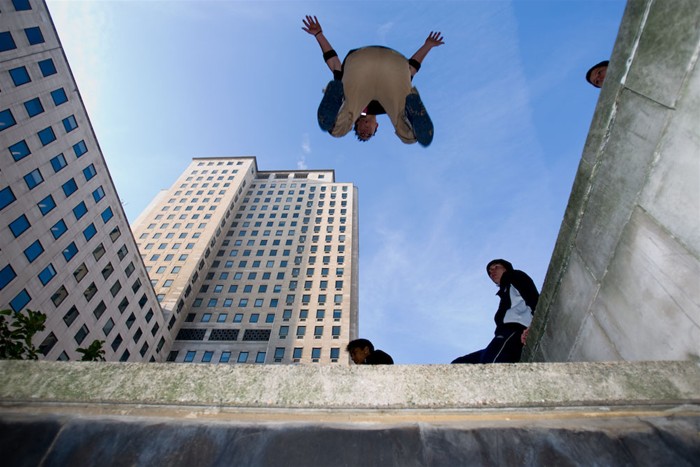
<point x="623" y="280"/>
<point x="622" y="413"/>
<point x="357" y="387"/>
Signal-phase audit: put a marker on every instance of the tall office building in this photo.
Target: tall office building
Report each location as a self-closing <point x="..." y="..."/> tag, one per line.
<point x="254" y="266"/>
<point x="65" y="245"/>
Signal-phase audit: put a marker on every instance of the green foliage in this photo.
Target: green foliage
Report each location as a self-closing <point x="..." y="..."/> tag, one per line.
<point x="16" y="333"/>
<point x="94" y="352"/>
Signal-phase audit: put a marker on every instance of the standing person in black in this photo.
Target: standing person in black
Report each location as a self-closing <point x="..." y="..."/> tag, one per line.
<point x="362" y="352"/>
<point x="519" y="297"/>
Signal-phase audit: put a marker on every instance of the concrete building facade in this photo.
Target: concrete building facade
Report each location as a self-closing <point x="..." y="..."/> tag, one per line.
<point x="254" y="266"/>
<point x="66" y="248"/>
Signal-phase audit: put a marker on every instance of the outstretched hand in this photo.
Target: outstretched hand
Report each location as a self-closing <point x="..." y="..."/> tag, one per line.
<point x="434" y="39"/>
<point x="311" y="25"/>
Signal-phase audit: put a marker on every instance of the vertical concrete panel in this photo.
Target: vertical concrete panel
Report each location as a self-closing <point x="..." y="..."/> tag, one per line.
<point x="568" y="310"/>
<point x="672" y="195"/>
<point x="666" y="48"/>
<point x="648" y="304"/>
<point x="619" y="178"/>
<point x="593" y="344"/>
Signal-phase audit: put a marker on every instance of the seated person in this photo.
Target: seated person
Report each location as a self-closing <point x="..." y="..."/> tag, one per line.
<point x="362" y="352"/>
<point x="371" y="81"/>
<point x="519" y="297"/>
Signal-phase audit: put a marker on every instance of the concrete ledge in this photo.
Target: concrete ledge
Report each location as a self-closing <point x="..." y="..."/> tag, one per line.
<point x="446" y="387"/>
<point x="119" y="414"/>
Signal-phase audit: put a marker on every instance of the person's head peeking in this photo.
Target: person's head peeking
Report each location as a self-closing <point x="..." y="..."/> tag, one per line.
<point x="359" y="350"/>
<point x="366" y="126"/>
<point x="596" y="75"/>
<point x="496" y="268"/>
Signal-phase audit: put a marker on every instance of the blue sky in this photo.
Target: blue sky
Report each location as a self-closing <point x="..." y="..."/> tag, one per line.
<point x="165" y="81"/>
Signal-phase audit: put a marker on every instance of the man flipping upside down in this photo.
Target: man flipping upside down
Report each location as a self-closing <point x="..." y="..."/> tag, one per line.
<point x="372" y="81"/>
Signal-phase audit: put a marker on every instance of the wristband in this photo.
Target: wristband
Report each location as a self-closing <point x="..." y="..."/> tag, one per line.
<point x="319" y="32"/>
<point x="328" y="55"/>
<point x="414" y="63"/>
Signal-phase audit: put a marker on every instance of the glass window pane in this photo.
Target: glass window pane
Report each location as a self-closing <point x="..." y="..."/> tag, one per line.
<point x="33" y="178"/>
<point x="20" y="76"/>
<point x="34" y="35"/>
<point x="33" y="107"/>
<point x="6" y="119"/>
<point x="33" y="251"/>
<point x="58" y="162"/>
<point x="46" y="136"/>
<point x="19" y="150"/>
<point x="47" y="67"/>
<point x="20" y="301"/>
<point x="19" y="225"/>
<point x="59" y="96"/>
<point x="58" y="229"/>
<point x="46" y="205"/>
<point x="6" y="42"/>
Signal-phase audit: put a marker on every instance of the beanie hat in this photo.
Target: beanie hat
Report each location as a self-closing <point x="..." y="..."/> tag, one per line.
<point x="502" y="262"/>
<point x="588" y="74"/>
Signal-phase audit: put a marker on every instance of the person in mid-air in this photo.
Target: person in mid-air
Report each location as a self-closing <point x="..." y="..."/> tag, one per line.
<point x="371" y="81"/>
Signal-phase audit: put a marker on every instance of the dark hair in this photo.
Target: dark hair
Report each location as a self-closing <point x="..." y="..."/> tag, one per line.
<point x="588" y="74"/>
<point x="354" y="127"/>
<point x="502" y="262"/>
<point x="359" y="344"/>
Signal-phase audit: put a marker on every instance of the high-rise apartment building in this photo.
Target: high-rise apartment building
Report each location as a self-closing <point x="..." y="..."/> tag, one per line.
<point x="65" y="245"/>
<point x="254" y="266"/>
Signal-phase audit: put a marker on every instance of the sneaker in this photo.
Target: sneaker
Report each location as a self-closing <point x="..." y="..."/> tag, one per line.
<point x="330" y="105"/>
<point x="419" y="119"/>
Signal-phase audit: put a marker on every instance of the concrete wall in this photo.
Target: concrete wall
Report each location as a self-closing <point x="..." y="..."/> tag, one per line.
<point x="134" y="414"/>
<point x="623" y="281"/>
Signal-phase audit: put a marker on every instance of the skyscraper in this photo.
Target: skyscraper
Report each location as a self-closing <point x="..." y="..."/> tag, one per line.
<point x="254" y="266"/>
<point x="65" y="245"/>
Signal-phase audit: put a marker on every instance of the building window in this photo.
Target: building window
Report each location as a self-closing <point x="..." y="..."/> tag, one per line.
<point x="79" y="148"/>
<point x="208" y="354"/>
<point x="33" y="179"/>
<point x="47" y="274"/>
<point x="59" y="96"/>
<point x="279" y="354"/>
<point x="242" y="357"/>
<point x="70" y="251"/>
<point x="19" y="150"/>
<point x="34" y="35"/>
<point x="107" y="214"/>
<point x="19" y="225"/>
<point x="58" y="229"/>
<point x="20" y="301"/>
<point x="89" y="232"/>
<point x="98" y="194"/>
<point x="33" y="107"/>
<point x="47" y="67"/>
<point x="69" y="124"/>
<point x="315" y="354"/>
<point x="6" y="276"/>
<point x="33" y="251"/>
<point x="225" y="357"/>
<point x="69" y="187"/>
<point x="7" y="42"/>
<point x="80" y="210"/>
<point x="260" y="357"/>
<point x="46" y="136"/>
<point x="189" y="356"/>
<point x="20" y="76"/>
<point x="6" y="197"/>
<point x="89" y="172"/>
<point x="58" y="162"/>
<point x="45" y="205"/>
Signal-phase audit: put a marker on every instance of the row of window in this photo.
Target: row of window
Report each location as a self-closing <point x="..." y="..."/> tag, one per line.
<point x="269" y="317"/>
<point x="244" y="356"/>
<point x="33" y="35"/>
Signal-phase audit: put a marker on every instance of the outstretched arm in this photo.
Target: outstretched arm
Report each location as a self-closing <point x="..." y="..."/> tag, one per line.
<point x="434" y="39"/>
<point x="313" y="27"/>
